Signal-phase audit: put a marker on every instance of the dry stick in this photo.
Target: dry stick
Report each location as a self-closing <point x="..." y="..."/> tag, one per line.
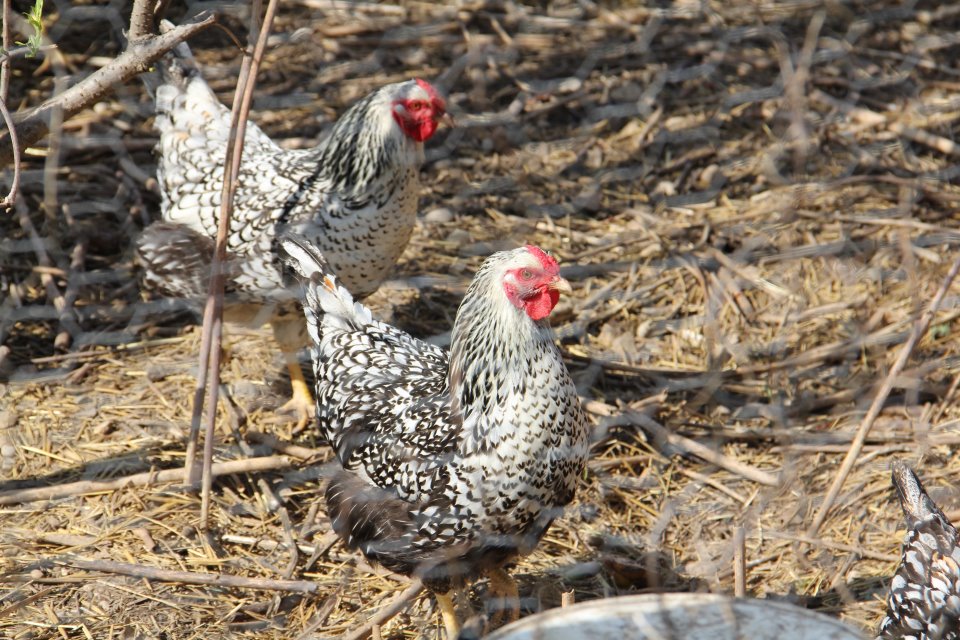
<point x="829" y="544"/>
<point x="796" y="90"/>
<point x="40" y="251"/>
<point x="919" y="329"/>
<point x="739" y="563"/>
<point x="7" y="118"/>
<point x="5" y="62"/>
<point x="144" y="479"/>
<point x="695" y="448"/>
<point x="11" y="196"/>
<point x="129" y="347"/>
<point x="295" y="450"/>
<point x="141" y="20"/>
<point x="568" y="598"/>
<point x="19" y="604"/>
<point x="213" y="313"/>
<point x="68" y="326"/>
<point x="188" y="577"/>
<point x="395" y="606"/>
<point x="136" y="59"/>
<point x="270" y="498"/>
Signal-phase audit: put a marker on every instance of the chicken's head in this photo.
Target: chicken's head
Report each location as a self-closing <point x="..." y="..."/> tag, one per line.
<point x="532" y="282"/>
<point x="418" y="109"/>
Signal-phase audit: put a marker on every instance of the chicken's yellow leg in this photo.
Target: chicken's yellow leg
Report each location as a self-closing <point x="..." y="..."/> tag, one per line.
<point x="287" y="333"/>
<point x="449" y="614"/>
<point x="505" y="598"/>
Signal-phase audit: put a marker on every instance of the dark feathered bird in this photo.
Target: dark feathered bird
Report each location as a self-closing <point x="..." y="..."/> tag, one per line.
<point x="452" y="464"/>
<point x="924" y="600"/>
<point x="354" y="196"/>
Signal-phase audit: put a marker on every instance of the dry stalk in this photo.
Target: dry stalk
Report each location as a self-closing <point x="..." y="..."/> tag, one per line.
<point x="739" y="563"/>
<point x="213" y="312"/>
<point x="11" y="196"/>
<point x="395" y="606"/>
<point x="830" y="544"/>
<point x="147" y="478"/>
<point x="919" y="329"/>
<point x="188" y="577"/>
<point x="688" y="446"/>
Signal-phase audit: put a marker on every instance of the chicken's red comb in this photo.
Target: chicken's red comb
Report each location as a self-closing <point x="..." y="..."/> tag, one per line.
<point x="546" y="260"/>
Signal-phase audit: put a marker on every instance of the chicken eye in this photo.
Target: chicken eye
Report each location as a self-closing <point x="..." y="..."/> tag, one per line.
<point x="526" y="274"/>
<point x="414" y="105"/>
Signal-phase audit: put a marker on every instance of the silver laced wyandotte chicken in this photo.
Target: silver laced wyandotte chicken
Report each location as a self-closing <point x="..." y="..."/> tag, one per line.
<point x="452" y="464"/>
<point x="354" y="196"/>
<point x="924" y="600"/>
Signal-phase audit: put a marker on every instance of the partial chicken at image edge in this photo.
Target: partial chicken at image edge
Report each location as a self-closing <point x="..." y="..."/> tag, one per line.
<point x="354" y="196"/>
<point x="452" y="465"/>
<point x="924" y="598"/>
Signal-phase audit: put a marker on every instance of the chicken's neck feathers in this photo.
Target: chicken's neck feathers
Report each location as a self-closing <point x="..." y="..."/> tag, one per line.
<point x="363" y="151"/>
<point x="499" y="360"/>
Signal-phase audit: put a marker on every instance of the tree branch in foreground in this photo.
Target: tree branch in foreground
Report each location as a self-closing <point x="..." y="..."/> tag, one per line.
<point x="34" y="124"/>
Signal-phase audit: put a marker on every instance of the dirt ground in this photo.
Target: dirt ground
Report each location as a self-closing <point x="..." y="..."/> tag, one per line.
<point x="754" y="202"/>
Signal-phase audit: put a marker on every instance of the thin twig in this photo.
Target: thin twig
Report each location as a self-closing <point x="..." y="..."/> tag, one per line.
<point x="189" y="577"/>
<point x="40" y="251"/>
<point x="144" y="479"/>
<point x="739" y="563"/>
<point x="686" y="445"/>
<point x="7" y="118"/>
<point x="398" y="604"/>
<point x="5" y="61"/>
<point x="213" y="314"/>
<point x="68" y="324"/>
<point x="830" y="544"/>
<point x="919" y="329"/>
<point x="11" y="196"/>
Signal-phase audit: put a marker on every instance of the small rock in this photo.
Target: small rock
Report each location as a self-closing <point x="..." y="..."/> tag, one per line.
<point x="459" y="236"/>
<point x="629" y="92"/>
<point x="439" y="215"/>
<point x="8" y="419"/>
<point x="8" y="451"/>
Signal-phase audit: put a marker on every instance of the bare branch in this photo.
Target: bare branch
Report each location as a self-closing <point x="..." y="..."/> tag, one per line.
<point x="35" y="123"/>
<point x="11" y="197"/>
<point x="919" y="330"/>
<point x="392" y="608"/>
<point x="145" y="479"/>
<point x="5" y="61"/>
<point x="213" y="312"/>
<point x="189" y="577"/>
<point x="141" y="21"/>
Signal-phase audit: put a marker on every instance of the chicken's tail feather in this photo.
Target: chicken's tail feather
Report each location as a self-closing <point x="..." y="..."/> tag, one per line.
<point x="917" y="505"/>
<point x="176" y="69"/>
<point x="323" y="294"/>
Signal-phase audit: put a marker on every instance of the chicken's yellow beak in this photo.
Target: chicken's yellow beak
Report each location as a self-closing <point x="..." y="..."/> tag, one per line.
<point x="560" y="285"/>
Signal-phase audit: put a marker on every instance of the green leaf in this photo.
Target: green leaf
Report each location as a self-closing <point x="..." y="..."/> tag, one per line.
<point x="35" y="20"/>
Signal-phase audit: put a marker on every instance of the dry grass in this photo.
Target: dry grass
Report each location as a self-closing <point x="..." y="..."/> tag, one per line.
<point x="754" y="205"/>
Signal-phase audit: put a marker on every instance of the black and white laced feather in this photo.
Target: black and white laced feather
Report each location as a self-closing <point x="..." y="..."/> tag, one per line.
<point x="924" y="599"/>
<point x="451" y="463"/>
<point x="354" y="195"/>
